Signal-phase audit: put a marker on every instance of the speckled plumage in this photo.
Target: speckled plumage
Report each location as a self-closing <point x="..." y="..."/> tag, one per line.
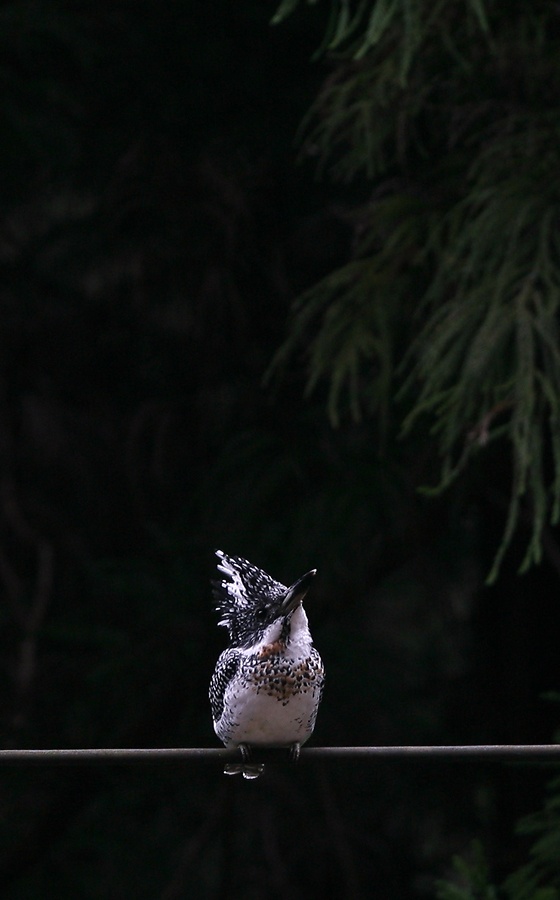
<point x="268" y="684"/>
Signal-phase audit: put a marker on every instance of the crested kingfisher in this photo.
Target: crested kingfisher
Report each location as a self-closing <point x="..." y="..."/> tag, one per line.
<point x="267" y="685"/>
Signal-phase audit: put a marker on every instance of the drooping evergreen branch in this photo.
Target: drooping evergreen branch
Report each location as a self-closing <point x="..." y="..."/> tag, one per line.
<point x="491" y="337"/>
<point x="536" y="879"/>
<point x="355" y="27"/>
<point x="459" y="136"/>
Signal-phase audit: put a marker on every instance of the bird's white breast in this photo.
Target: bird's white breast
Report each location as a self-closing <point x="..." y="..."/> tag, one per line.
<point x="274" y="699"/>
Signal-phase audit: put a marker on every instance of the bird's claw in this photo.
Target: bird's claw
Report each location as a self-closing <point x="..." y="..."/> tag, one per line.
<point x="294" y="752"/>
<point x="247" y="768"/>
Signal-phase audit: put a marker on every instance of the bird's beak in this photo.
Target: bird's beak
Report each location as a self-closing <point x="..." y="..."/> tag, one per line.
<point x="297" y="592"/>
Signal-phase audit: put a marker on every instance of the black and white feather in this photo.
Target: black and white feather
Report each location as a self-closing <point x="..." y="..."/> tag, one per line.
<point x="246" y="599"/>
<point x="268" y="684"/>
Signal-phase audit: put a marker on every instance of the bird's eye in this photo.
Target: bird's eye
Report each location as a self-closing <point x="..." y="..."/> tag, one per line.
<point x="261" y="613"/>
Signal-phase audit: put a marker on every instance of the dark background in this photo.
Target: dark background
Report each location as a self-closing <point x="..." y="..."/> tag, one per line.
<point x="155" y="229"/>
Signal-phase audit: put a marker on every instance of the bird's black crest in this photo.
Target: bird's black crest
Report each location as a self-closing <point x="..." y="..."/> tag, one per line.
<point x="244" y="595"/>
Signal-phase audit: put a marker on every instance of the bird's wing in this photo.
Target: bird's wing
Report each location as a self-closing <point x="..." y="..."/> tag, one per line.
<point x="226" y="669"/>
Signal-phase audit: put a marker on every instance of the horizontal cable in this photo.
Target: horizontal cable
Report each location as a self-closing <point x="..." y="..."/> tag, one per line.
<point x="500" y="752"/>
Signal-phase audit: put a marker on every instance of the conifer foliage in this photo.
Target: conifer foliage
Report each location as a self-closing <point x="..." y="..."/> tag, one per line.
<point x="445" y="116"/>
<point x="537" y="879"/>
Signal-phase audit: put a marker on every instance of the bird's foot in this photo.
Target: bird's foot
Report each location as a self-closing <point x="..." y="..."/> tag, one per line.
<point x="248" y="769"/>
<point x="295" y="751"/>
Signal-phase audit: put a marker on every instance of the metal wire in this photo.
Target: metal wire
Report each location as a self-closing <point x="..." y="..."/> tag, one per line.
<point x="149" y="756"/>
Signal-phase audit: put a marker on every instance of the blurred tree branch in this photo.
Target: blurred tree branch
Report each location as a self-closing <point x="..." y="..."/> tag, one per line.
<point x="451" y="300"/>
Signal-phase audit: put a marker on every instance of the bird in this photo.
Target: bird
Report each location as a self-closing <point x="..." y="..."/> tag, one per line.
<point x="268" y="683"/>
